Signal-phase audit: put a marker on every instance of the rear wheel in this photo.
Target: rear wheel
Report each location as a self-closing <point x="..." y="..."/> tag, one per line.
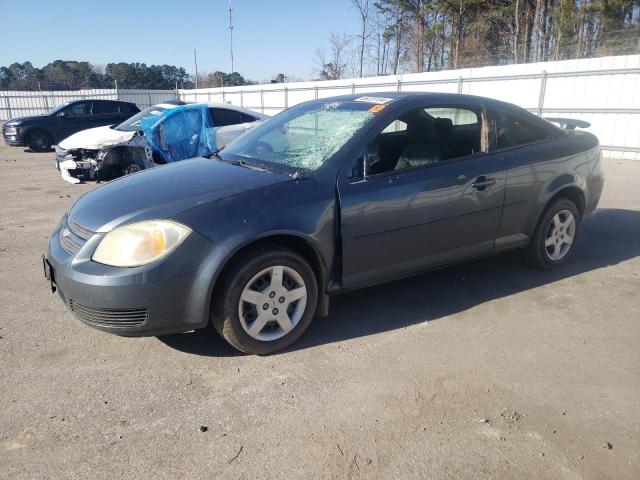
<point x="555" y="235"/>
<point x="39" y="141"/>
<point x="265" y="301"/>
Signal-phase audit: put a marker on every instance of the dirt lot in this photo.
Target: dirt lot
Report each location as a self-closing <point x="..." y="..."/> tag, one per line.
<point x="485" y="370"/>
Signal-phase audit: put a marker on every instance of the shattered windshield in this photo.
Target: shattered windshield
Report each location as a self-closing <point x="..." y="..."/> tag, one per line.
<point x="302" y="138"/>
<point x="133" y="124"/>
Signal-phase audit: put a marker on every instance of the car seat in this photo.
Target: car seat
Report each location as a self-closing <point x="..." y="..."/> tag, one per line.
<point x="425" y="146"/>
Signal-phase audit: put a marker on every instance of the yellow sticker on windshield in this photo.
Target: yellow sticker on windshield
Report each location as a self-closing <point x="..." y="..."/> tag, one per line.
<point x="376" y="108"/>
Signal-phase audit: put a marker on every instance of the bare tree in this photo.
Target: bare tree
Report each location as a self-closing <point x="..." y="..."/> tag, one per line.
<point x="516" y="31"/>
<point x="381" y="29"/>
<point x="362" y="6"/>
<point x="332" y="67"/>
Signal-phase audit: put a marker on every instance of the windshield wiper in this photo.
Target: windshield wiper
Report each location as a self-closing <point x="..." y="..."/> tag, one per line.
<point x="216" y="153"/>
<point x="252" y="166"/>
<point x="242" y="163"/>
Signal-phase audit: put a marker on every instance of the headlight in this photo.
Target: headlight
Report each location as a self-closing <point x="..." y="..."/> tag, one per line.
<point x="101" y="154"/>
<point x="140" y="243"/>
<point x="11" y="131"/>
<point x="13" y="123"/>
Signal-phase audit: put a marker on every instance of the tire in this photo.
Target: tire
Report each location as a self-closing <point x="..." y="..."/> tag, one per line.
<point x="39" y="141"/>
<point x="549" y="246"/>
<point x="238" y="312"/>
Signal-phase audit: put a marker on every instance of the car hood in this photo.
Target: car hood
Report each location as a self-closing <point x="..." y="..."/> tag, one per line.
<point x="26" y="119"/>
<point x="95" y="138"/>
<point x="163" y="192"/>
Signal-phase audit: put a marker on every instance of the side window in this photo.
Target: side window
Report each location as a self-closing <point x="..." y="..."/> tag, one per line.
<point x="247" y="118"/>
<point x="104" y="107"/>
<point x="222" y="117"/>
<point x="80" y="108"/>
<point x="126" y="108"/>
<point x="426" y="136"/>
<point x="512" y="131"/>
<point x="395" y="126"/>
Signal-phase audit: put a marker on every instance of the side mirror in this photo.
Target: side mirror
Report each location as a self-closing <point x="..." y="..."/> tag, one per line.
<point x="61" y="114"/>
<point x="358" y="171"/>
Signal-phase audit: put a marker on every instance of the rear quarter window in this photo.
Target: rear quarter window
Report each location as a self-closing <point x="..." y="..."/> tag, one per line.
<point x="103" y="107"/>
<point x="126" y="108"/>
<point x="513" y="131"/>
<point x="247" y="118"/>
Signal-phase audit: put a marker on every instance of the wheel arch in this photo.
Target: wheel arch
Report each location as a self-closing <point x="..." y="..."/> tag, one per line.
<point x="300" y="244"/>
<point x="37" y="128"/>
<point x="572" y="193"/>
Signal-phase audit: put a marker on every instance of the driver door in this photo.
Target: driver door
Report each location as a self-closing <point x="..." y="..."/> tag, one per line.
<point x="76" y="117"/>
<point x="423" y="197"/>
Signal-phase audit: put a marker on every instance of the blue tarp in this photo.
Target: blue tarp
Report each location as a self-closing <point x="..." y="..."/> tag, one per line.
<point x="179" y="133"/>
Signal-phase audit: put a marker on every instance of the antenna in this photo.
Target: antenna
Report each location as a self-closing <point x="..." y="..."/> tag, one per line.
<point x="231" y="34"/>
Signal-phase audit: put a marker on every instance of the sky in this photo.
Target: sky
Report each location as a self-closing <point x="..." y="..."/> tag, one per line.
<point x="269" y="36"/>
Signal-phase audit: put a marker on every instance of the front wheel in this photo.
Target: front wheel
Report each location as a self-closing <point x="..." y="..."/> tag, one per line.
<point x="265" y="301"/>
<point x="555" y="235"/>
<point x="39" y="141"/>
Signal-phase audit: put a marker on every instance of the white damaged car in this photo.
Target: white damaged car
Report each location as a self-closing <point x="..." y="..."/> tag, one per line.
<point x="160" y="134"/>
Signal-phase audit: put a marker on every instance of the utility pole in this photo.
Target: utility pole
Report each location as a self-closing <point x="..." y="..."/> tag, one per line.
<point x="231" y="35"/>
<point x="195" y="60"/>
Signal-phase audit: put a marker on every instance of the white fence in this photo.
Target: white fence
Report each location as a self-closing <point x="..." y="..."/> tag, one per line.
<point x="603" y="91"/>
<point x="15" y="103"/>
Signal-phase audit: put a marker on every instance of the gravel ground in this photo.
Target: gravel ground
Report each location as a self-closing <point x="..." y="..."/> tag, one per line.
<point x="485" y="370"/>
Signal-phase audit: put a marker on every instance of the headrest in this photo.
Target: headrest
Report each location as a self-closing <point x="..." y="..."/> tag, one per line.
<point x="419" y="129"/>
<point x="443" y="126"/>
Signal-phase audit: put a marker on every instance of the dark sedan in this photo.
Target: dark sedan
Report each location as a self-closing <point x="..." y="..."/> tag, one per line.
<point x="39" y="132"/>
<point x="328" y="196"/>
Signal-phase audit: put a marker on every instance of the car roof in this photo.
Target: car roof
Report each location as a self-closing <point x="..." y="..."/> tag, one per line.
<point x="99" y="100"/>
<point x="229" y="106"/>
<point x="407" y="96"/>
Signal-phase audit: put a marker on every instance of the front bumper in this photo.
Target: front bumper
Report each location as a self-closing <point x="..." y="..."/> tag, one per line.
<point x="16" y="140"/>
<point x="75" y="171"/>
<point x="169" y="296"/>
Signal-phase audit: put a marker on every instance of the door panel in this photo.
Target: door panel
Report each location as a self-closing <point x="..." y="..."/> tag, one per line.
<point x="77" y="117"/>
<point x="411" y="219"/>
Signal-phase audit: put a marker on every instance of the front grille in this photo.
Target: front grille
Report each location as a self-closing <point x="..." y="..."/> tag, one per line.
<point x="73" y="236"/>
<point x="110" y="317"/>
<point x="79" y="230"/>
<point x="68" y="243"/>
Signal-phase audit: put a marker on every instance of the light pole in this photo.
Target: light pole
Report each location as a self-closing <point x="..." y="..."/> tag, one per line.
<point x="231" y="35"/>
<point x="195" y="61"/>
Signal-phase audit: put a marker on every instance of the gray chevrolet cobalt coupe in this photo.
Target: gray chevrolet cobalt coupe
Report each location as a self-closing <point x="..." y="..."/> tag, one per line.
<point x="328" y="196"/>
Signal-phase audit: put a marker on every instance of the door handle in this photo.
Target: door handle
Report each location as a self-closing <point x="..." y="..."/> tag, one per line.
<point x="483" y="182"/>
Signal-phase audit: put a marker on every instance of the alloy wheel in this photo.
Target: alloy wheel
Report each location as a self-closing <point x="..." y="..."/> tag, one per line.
<point x="39" y="141"/>
<point x="272" y="303"/>
<point x="560" y="234"/>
